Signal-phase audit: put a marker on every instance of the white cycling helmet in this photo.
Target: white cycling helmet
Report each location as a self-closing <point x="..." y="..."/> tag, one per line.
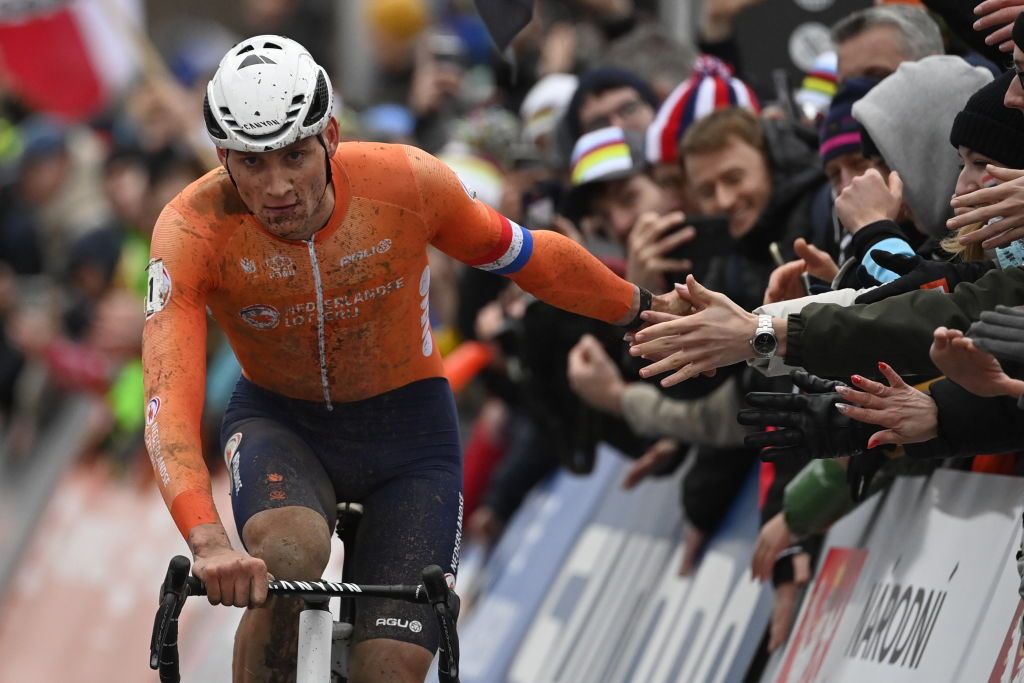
<point x="267" y="93"/>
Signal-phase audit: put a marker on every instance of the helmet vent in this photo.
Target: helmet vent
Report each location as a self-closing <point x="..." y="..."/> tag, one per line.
<point x="318" y="107"/>
<point x="274" y="46"/>
<point x="212" y="127"/>
<point x="247" y="48"/>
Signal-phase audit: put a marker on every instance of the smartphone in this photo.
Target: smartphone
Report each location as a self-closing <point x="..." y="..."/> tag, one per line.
<point x="712" y="240"/>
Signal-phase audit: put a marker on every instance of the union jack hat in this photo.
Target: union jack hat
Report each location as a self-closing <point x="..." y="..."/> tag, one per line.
<point x="711" y="86"/>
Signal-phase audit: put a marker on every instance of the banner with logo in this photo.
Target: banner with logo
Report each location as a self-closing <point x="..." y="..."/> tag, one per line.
<point x="927" y="593"/>
<point x="609" y="605"/>
<point x="524" y="564"/>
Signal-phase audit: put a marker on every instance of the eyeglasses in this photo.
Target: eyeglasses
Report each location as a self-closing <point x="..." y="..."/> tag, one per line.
<point x="626" y="110"/>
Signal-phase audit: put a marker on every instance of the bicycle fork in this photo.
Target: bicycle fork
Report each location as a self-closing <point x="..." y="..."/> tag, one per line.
<point x="315" y="636"/>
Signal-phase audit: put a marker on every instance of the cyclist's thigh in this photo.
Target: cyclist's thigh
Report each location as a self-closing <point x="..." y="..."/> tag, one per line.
<point x="409" y="522"/>
<point x="270" y="467"/>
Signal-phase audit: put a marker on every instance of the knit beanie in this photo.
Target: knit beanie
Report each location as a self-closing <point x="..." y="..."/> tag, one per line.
<point x="987" y="127"/>
<point x="818" y="87"/>
<point x="711" y="86"/>
<point x="907" y="116"/>
<point x="840" y="133"/>
<point x="600" y="80"/>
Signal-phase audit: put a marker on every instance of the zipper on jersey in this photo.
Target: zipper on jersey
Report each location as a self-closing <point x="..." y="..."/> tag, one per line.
<point x="320" y="332"/>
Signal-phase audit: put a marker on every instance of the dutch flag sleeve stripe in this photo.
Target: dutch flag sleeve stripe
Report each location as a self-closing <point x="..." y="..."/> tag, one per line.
<point x="515" y="245"/>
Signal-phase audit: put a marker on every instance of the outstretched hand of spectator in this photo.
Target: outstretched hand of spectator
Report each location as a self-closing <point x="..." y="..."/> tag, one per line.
<point x="998" y="16"/>
<point x="716" y="335"/>
<point x="975" y="370"/>
<point x="908" y="415"/>
<point x="819" y="263"/>
<point x="787" y="281"/>
<point x="805" y="425"/>
<point x="1004" y="201"/>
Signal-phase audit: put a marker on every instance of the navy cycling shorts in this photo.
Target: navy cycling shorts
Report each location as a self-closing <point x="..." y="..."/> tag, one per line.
<point x="397" y="454"/>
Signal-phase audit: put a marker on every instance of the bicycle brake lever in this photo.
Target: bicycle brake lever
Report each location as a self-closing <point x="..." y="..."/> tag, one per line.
<point x="172" y="599"/>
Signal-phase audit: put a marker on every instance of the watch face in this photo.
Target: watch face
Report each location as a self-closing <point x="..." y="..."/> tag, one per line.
<point x="765" y="343"/>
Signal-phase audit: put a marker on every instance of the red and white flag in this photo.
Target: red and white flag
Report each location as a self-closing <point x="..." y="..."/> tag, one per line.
<point x="68" y="57"/>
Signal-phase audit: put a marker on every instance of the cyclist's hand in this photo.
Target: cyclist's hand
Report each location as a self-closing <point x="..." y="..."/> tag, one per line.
<point x="232" y="577"/>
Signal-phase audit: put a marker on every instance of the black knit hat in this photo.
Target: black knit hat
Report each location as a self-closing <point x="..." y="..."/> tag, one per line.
<point x="987" y="127"/>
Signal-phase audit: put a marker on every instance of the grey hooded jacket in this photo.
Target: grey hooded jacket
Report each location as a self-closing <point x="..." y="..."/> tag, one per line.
<point x="908" y="116"/>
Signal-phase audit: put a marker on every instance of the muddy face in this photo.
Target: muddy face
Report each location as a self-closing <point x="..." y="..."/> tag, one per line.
<point x="287" y="189"/>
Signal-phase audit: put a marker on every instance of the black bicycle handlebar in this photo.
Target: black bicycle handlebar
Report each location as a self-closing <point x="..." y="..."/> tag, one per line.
<point x="330" y="589"/>
<point x="178" y="586"/>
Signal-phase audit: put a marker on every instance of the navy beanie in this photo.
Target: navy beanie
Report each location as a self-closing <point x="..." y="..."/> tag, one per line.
<point x="840" y="133"/>
<point x="597" y="81"/>
<point x="987" y="127"/>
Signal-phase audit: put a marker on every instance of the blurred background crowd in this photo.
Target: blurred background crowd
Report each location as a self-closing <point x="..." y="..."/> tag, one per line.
<point x="669" y="138"/>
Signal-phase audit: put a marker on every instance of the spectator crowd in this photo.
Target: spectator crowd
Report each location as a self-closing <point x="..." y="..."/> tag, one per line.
<point x="851" y="250"/>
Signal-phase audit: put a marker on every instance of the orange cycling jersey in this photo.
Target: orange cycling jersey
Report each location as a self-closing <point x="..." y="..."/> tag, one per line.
<point x="342" y="316"/>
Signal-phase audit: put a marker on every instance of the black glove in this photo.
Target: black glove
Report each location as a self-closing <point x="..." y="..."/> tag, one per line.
<point x="810" y="426"/>
<point x="919" y="273"/>
<point x="1001" y="333"/>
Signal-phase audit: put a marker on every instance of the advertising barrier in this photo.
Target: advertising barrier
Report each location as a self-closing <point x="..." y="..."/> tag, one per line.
<point x="597" y="597"/>
<point x="922" y="586"/>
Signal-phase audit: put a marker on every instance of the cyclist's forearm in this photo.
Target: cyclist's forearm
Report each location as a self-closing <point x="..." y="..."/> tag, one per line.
<point x="567" y="276"/>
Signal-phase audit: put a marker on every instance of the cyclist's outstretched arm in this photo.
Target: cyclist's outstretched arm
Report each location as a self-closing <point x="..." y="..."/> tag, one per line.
<point x="546" y="264"/>
<point x="174" y="364"/>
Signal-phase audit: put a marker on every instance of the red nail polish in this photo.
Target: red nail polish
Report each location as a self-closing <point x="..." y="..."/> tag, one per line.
<point x="882" y="366"/>
<point x="872" y="443"/>
<point x="856" y="379"/>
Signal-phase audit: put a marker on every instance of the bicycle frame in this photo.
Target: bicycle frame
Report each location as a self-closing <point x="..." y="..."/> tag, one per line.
<point x="315" y="620"/>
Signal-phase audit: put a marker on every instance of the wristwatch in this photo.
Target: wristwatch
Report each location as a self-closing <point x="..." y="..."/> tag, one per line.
<point x="764" y="342"/>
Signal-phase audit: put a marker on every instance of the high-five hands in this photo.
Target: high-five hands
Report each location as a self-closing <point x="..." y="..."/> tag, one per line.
<point x="715" y="334"/>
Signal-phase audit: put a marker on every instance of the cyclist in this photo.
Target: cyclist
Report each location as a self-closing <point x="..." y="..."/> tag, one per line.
<point x="312" y="257"/>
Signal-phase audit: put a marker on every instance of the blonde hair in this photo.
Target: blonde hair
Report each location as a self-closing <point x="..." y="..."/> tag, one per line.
<point x="966" y="252"/>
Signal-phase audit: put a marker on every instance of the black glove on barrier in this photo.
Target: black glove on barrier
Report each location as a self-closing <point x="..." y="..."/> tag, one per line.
<point x="919" y="273"/>
<point x="1001" y="333"/>
<point x="809" y="424"/>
